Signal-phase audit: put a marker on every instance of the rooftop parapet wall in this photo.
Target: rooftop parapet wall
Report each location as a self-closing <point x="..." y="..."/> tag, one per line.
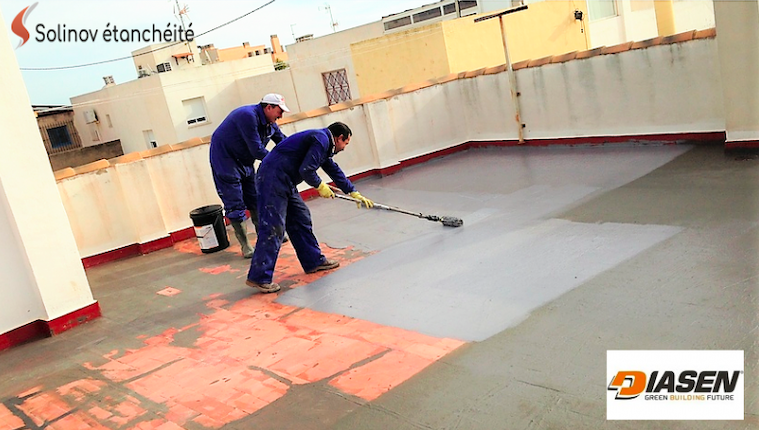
<point x="660" y="86"/>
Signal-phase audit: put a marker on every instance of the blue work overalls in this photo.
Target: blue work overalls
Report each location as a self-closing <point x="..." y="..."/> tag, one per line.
<point x="236" y="144"/>
<point x="280" y="206"/>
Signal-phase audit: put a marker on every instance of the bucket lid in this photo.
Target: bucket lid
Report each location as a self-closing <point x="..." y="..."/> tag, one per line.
<point x="205" y="210"/>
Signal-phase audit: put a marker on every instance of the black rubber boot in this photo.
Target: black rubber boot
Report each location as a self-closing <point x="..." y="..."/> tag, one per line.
<point x="241" y="232"/>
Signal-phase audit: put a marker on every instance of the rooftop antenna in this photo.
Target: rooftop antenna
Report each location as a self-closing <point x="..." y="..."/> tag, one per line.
<point x="179" y="11"/>
<point x="331" y="19"/>
<point x="292" y="30"/>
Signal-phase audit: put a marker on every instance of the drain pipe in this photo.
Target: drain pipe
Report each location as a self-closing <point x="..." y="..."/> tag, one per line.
<point x="509" y="69"/>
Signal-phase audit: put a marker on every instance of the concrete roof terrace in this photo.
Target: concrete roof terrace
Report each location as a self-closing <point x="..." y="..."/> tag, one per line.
<point x="566" y="253"/>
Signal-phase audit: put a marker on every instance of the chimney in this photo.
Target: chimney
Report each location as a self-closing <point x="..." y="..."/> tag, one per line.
<point x="275" y="46"/>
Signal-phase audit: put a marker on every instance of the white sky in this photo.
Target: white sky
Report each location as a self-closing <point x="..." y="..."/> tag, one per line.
<point x="283" y="18"/>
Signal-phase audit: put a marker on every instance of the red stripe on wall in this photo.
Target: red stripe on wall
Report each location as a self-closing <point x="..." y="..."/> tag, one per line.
<point x="26" y="333"/>
<point x="746" y="144"/>
<point x="73" y="319"/>
<point x="41" y="329"/>
<point x="155" y="245"/>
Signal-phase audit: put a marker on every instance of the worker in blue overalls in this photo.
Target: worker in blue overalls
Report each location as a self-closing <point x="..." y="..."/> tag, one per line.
<point x="236" y="144"/>
<point x="281" y="208"/>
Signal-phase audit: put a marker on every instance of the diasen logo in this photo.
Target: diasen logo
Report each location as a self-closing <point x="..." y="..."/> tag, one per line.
<point x="18" y="25"/>
<point x="674" y="385"/>
<point x="62" y="33"/>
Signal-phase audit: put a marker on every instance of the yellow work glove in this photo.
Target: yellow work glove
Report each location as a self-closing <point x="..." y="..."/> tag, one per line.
<point x="361" y="200"/>
<point x="325" y="191"/>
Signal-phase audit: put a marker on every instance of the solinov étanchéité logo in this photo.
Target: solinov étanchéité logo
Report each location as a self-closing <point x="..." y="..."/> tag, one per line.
<point x="61" y="32"/>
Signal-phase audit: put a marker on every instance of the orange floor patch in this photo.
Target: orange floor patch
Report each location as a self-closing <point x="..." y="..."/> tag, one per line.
<point x="247" y="355"/>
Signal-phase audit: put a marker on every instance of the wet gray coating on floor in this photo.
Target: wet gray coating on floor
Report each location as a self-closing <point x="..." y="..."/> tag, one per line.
<point x="575" y="251"/>
<point x="510" y="257"/>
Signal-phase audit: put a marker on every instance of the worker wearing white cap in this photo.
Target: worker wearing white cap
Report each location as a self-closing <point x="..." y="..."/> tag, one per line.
<point x="236" y="144"/>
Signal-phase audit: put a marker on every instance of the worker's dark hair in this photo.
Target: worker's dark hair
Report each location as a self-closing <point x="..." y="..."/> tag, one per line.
<point x="339" y="129"/>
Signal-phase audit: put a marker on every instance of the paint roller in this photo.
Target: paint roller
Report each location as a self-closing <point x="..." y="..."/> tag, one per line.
<point x="448" y="221"/>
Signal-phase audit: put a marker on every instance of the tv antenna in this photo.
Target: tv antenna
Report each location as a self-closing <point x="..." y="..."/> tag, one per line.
<point x="178" y="12"/>
<point x="331" y="19"/>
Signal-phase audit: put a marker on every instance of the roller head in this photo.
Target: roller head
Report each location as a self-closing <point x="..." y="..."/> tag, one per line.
<point x="450" y="221"/>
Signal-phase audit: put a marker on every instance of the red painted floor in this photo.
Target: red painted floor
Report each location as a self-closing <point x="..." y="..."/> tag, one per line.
<point x="247" y="354"/>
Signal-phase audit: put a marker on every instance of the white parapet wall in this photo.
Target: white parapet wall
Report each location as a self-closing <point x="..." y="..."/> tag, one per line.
<point x="672" y="88"/>
<point x="660" y="87"/>
<point x="43" y="278"/>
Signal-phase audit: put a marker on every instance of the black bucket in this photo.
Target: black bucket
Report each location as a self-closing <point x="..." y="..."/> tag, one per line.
<point x="209" y="228"/>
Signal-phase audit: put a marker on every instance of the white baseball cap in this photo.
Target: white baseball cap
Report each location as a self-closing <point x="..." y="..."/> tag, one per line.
<point x="275" y="99"/>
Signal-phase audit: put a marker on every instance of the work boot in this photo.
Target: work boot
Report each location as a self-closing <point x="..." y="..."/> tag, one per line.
<point x="327" y="265"/>
<point x="241" y="232"/>
<point x="264" y="288"/>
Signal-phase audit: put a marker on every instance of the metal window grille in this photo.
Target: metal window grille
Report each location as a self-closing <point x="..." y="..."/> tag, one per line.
<point x="60" y="137"/>
<point x="466" y="4"/>
<point x="400" y="22"/>
<point x="336" y="85"/>
<point x="427" y="14"/>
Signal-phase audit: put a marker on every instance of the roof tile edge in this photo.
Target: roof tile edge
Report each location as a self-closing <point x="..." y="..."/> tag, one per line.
<point x="92" y="167"/>
<point x="679" y="37"/>
<point x="705" y="34"/>
<point x="64" y="173"/>
<point x="642" y="44"/>
<point x="163" y="149"/>
<point x="475" y="73"/>
<point x="126" y="158"/>
<point x="496" y="69"/>
<point x="520" y="65"/>
<point x="540" y="61"/>
<point x="590" y="53"/>
<point x="563" y="58"/>
<point x="616" y="49"/>
<point x="189" y="143"/>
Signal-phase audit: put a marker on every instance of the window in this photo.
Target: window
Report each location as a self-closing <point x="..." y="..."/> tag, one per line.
<point x="427" y="14"/>
<point x="400" y="22"/>
<point x="150" y="139"/>
<point x="59" y="136"/>
<point x="94" y="132"/>
<point x="165" y="67"/>
<point x="449" y="8"/>
<point x="336" y="85"/>
<point x="466" y="4"/>
<point x="108" y="120"/>
<point x="195" y="111"/>
<point x="600" y="9"/>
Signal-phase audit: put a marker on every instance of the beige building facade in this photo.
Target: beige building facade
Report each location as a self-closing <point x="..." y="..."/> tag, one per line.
<point x="177" y="99"/>
<point x="189" y="100"/>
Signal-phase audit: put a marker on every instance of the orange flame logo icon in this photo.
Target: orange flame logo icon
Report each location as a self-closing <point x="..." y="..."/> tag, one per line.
<point x="17" y="26"/>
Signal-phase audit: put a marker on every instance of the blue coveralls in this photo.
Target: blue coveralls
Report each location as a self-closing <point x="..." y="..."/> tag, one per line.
<point x="239" y="141"/>
<point x="280" y="206"/>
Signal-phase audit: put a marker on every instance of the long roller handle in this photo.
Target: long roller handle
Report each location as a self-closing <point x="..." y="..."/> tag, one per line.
<point x="385" y="207"/>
